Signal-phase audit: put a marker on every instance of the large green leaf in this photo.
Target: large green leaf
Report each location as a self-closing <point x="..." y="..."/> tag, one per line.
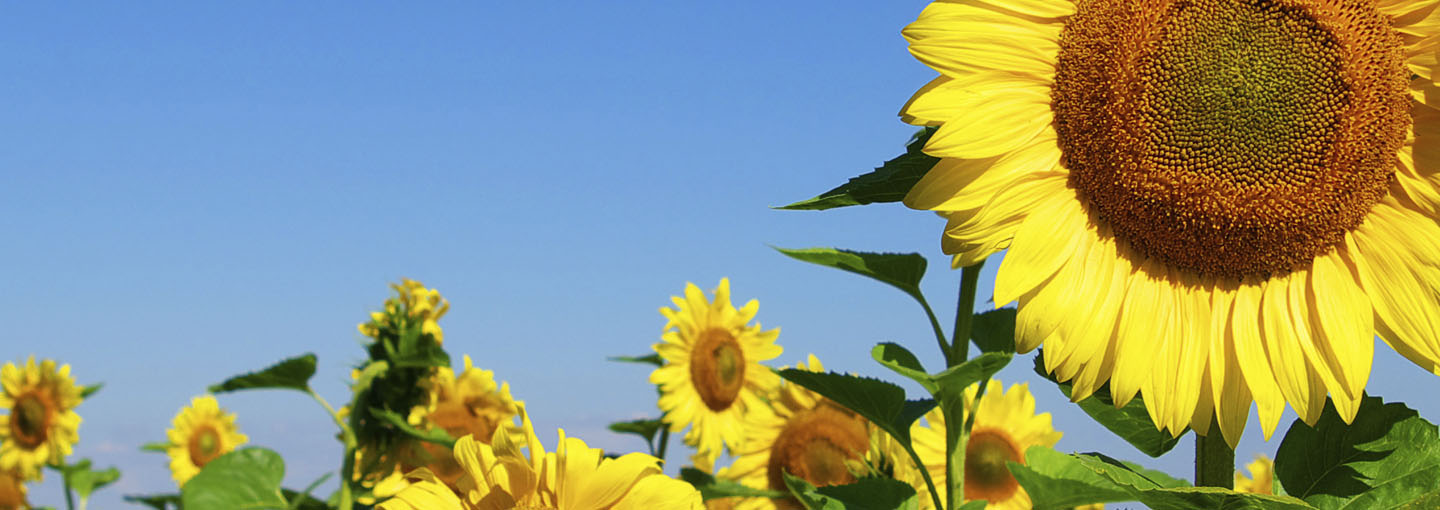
<point x="1388" y="457"/>
<point x="864" y="494"/>
<point x="902" y="270"/>
<point x="1059" y="481"/>
<point x="880" y="402"/>
<point x="711" y="488"/>
<point x="994" y="331"/>
<point x="156" y="501"/>
<point x="889" y="183"/>
<point x="293" y="373"/>
<point x="903" y="362"/>
<point x="84" y="481"/>
<point x="1132" y="422"/>
<point x="248" y="478"/>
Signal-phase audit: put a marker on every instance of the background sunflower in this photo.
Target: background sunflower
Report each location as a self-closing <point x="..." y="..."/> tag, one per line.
<point x="42" y="426"/>
<point x="200" y="433"/>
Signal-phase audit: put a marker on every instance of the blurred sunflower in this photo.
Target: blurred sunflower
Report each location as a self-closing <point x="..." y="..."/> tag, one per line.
<point x="470" y="405"/>
<point x="12" y="491"/>
<point x="712" y="377"/>
<point x="500" y="476"/>
<point x="413" y="300"/>
<point x="807" y="435"/>
<point x="1210" y="202"/>
<point x="1005" y="426"/>
<point x="201" y="433"/>
<point x="42" y="426"/>
<point x="1263" y="471"/>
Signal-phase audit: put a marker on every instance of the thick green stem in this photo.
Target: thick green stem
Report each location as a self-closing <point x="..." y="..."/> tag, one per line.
<point x="1214" y="460"/>
<point x="964" y="314"/>
<point x="955" y="439"/>
<point x="347" y="469"/>
<point x="69" y="497"/>
<point x="925" y="474"/>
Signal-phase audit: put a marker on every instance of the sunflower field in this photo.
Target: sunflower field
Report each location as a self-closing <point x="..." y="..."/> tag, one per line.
<point x="1184" y="221"/>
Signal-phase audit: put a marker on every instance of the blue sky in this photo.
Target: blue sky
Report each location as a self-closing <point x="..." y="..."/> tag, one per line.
<point x="190" y="191"/>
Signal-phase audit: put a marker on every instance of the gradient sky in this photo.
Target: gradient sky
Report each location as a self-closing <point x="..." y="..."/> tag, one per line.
<point x="190" y="191"/>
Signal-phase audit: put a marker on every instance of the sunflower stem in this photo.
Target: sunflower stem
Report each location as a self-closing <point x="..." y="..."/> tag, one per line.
<point x="69" y="496"/>
<point x="964" y="314"/>
<point x="1214" y="460"/>
<point x="664" y="441"/>
<point x="925" y="474"/>
<point x="939" y="333"/>
<point x="347" y="435"/>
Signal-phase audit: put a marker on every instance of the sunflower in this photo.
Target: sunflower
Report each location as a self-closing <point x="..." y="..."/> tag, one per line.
<point x="202" y="432"/>
<point x="42" y="425"/>
<point x="499" y="476"/>
<point x="807" y="435"/>
<point x="712" y="377"/>
<point x="12" y="491"/>
<point x="1263" y="471"/>
<point x="1005" y="426"/>
<point x="413" y="300"/>
<point x="472" y="404"/>
<point x="1209" y="202"/>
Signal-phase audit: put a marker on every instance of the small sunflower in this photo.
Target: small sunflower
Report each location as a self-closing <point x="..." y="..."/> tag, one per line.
<point x="42" y="425"/>
<point x="806" y="435"/>
<point x="201" y="433"/>
<point x="1207" y="202"/>
<point x="1262" y="469"/>
<point x="12" y="492"/>
<point x="712" y="377"/>
<point x="500" y="476"/>
<point x="1005" y="426"/>
<point x="469" y="405"/>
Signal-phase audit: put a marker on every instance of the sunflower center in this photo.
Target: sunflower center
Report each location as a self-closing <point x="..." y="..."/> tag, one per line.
<point x="204" y="446"/>
<point x="815" y="445"/>
<point x="30" y="420"/>
<point x="1232" y="138"/>
<point x="986" y="475"/>
<point x="717" y="367"/>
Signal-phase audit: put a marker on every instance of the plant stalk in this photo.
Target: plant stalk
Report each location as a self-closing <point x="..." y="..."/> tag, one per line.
<point x="939" y="333"/>
<point x="964" y="314"/>
<point x="347" y="469"/>
<point x="1214" y="460"/>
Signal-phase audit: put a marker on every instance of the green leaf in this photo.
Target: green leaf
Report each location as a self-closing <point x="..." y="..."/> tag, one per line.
<point x="880" y="402"/>
<point x="803" y="492"/>
<point x="994" y="331"/>
<point x="155" y="447"/>
<point x="248" y="478"/>
<point x="902" y="270"/>
<point x="1132" y="422"/>
<point x="86" y="391"/>
<point x="156" y="501"/>
<point x="952" y="382"/>
<point x="1190" y="498"/>
<point x="1059" y="481"/>
<point x="649" y="359"/>
<point x="874" y="494"/>
<point x="889" y="183"/>
<point x="84" y="480"/>
<point x="302" y="500"/>
<point x="711" y="488"/>
<point x="1388" y="457"/>
<point x="645" y="428"/>
<point x="437" y="436"/>
<point x="901" y="361"/>
<point x="293" y="373"/>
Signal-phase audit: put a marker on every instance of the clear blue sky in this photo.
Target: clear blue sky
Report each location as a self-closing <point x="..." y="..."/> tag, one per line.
<point x="189" y="191"/>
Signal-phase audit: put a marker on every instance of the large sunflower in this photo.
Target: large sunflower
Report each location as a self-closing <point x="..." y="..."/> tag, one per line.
<point x="202" y="432"/>
<point x="712" y="377"/>
<point x="1207" y="202"/>
<point x="1005" y="426"/>
<point x="500" y="476"/>
<point x="807" y="435"/>
<point x="42" y="425"/>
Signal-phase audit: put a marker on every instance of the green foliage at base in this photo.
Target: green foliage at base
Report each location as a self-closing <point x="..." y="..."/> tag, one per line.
<point x="1389" y="457"/>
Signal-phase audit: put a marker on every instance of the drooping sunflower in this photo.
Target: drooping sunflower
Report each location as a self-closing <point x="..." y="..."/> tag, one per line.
<point x="200" y="433"/>
<point x="469" y="405"/>
<point x="1005" y="426"/>
<point x="42" y="426"/>
<point x="501" y="476"/>
<point x="712" y="377"/>
<point x="12" y="492"/>
<point x="1262" y="469"/>
<point x="807" y="435"/>
<point x="1208" y="202"/>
